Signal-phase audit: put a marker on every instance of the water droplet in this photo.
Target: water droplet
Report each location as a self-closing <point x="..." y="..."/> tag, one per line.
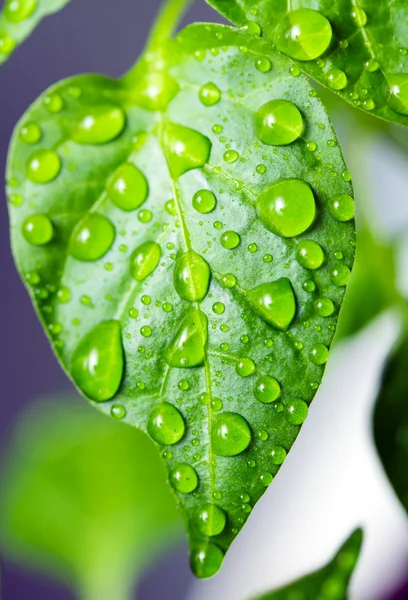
<point x="204" y="201"/>
<point x="63" y="294"/>
<point x="185" y="149"/>
<point x="146" y="331"/>
<point x="372" y="65"/>
<point x="267" y="389"/>
<point x="188" y="349"/>
<point x="319" y="354"/>
<point x="230" y="240"/>
<point x="309" y="286"/>
<point x="98" y="363"/>
<point x="346" y="176"/>
<point x="340" y="275"/>
<point x="278" y="455"/>
<point x="274" y="302"/>
<point x="337" y="79"/>
<point x="53" y="103"/>
<point x="296" y="412"/>
<point x="144" y="260"/>
<point x="218" y="308"/>
<point x="287" y="207"/>
<point x="309" y="254"/>
<point x="99" y="125"/>
<point x="266" y="478"/>
<point x="324" y="307"/>
<point x="30" y="133"/>
<point x="342" y="207"/>
<point x="191" y="276"/>
<point x="16" y="200"/>
<point x="359" y="16"/>
<point x="206" y="560"/>
<point x="118" y="411"/>
<point x="231" y="156"/>
<point x="245" y="367"/>
<point x="19" y="10"/>
<point x="209" y="94"/>
<point x="91" y="238"/>
<point x="211" y="520"/>
<point x="7" y="44"/>
<point x="311" y="146"/>
<point x="261" y="169"/>
<point x="228" y="280"/>
<point x="43" y="166"/>
<point x="278" y="123"/>
<point x="304" y="34"/>
<point x="263" y="64"/>
<point x="38" y="230"/>
<point x="398" y="93"/>
<point x="128" y="187"/>
<point x="165" y="424"/>
<point x="230" y="434"/>
<point x="183" y="478"/>
<point x="294" y="70"/>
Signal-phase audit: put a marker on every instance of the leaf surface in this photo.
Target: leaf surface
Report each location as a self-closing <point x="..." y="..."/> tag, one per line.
<point x="87" y="503"/>
<point x="331" y="581"/>
<point x="19" y="18"/>
<point x="357" y="48"/>
<point x="160" y="287"/>
<point x="390" y="420"/>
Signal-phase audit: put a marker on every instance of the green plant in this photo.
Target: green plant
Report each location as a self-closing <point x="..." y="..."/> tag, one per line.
<point x="186" y="234"/>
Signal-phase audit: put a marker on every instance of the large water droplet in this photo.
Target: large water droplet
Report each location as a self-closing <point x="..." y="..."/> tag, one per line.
<point x="166" y="424"/>
<point x="144" y="260"/>
<point x="304" y="34"/>
<point x="210" y="94"/>
<point x="206" y="560"/>
<point x="278" y="123"/>
<point x="309" y="254"/>
<point x="398" y="93"/>
<point x="211" y="520"/>
<point x="230" y="434"/>
<point x="287" y="207"/>
<point x="183" y="478"/>
<point x="128" y="187"/>
<point x="38" y="230"/>
<point x="267" y="389"/>
<point x="43" y="166"/>
<point x="98" y="362"/>
<point x="188" y="349"/>
<point x="192" y="276"/>
<point x="19" y="10"/>
<point x="99" y="125"/>
<point x="274" y="302"/>
<point x="91" y="238"/>
<point x="185" y="149"/>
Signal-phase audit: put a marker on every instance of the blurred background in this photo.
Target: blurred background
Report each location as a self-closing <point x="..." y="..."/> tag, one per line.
<point x="332" y="480"/>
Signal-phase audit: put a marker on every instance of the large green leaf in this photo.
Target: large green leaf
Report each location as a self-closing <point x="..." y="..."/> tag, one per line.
<point x="390" y="420"/>
<point x="19" y="18"/>
<point x="331" y="581"/>
<point x="83" y="499"/>
<point x="357" y="48"/>
<point x="143" y="223"/>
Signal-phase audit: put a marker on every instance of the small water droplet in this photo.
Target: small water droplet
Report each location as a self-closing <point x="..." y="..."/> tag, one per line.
<point x="128" y="187"/>
<point x="99" y="125"/>
<point x="278" y="123"/>
<point x="38" y="230"/>
<point x="206" y="560"/>
<point x="324" y="307"/>
<point x="340" y="275"/>
<point x="230" y="240"/>
<point x="218" y="308"/>
<point x="309" y="254"/>
<point x="296" y="412"/>
<point x="263" y="64"/>
<point x="43" y="166"/>
<point x="63" y="294"/>
<point x="267" y="389"/>
<point x="188" y="349"/>
<point x="230" y="434"/>
<point x="209" y="94"/>
<point x="342" y="207"/>
<point x="53" y="103"/>
<point x="204" y="201"/>
<point x="266" y="478"/>
<point x="398" y="93"/>
<point x="359" y="16"/>
<point x="274" y="302"/>
<point x="30" y="133"/>
<point x="191" y="276"/>
<point x="165" y="424"/>
<point x="183" y="478"/>
<point x="91" y="238"/>
<point x="319" y="354"/>
<point x="7" y="44"/>
<point x="144" y="260"/>
<point x="278" y="455"/>
<point x="245" y="367"/>
<point x="231" y="156"/>
<point x="211" y="520"/>
<point x="118" y="411"/>
<point x="337" y="79"/>
<point x="228" y="280"/>
<point x="303" y="34"/>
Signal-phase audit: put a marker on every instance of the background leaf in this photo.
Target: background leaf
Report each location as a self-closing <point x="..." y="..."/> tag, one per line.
<point x="357" y="49"/>
<point x="134" y="210"/>
<point x="330" y="581"/>
<point x="19" y="18"/>
<point x="391" y="420"/>
<point x="86" y="503"/>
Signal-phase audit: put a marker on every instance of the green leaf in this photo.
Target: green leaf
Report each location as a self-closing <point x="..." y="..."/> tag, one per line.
<point x="84" y="499"/>
<point x="390" y="420"/>
<point x="19" y="18"/>
<point x="144" y="224"/>
<point x="358" y="48"/>
<point x="331" y="581"/>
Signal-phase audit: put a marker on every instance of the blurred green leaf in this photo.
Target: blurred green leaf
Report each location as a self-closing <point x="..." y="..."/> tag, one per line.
<point x="390" y="420"/>
<point x="330" y="581"/>
<point x="84" y="499"/>
<point x="19" y="18"/>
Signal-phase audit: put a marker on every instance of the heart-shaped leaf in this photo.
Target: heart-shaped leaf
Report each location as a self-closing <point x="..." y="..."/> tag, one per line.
<point x="19" y="18"/>
<point x="331" y="581"/>
<point x="391" y="420"/>
<point x="357" y="49"/>
<point x="186" y="234"/>
<point x="87" y="503"/>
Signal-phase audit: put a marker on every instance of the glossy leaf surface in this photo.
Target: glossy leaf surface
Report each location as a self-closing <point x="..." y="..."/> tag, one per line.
<point x="390" y="421"/>
<point x="194" y="274"/>
<point x="19" y="18"/>
<point x="83" y="499"/>
<point x="357" y="48"/>
<point x="331" y="581"/>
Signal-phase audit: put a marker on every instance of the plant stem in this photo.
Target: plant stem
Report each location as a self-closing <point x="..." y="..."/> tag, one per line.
<point x="167" y="21"/>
